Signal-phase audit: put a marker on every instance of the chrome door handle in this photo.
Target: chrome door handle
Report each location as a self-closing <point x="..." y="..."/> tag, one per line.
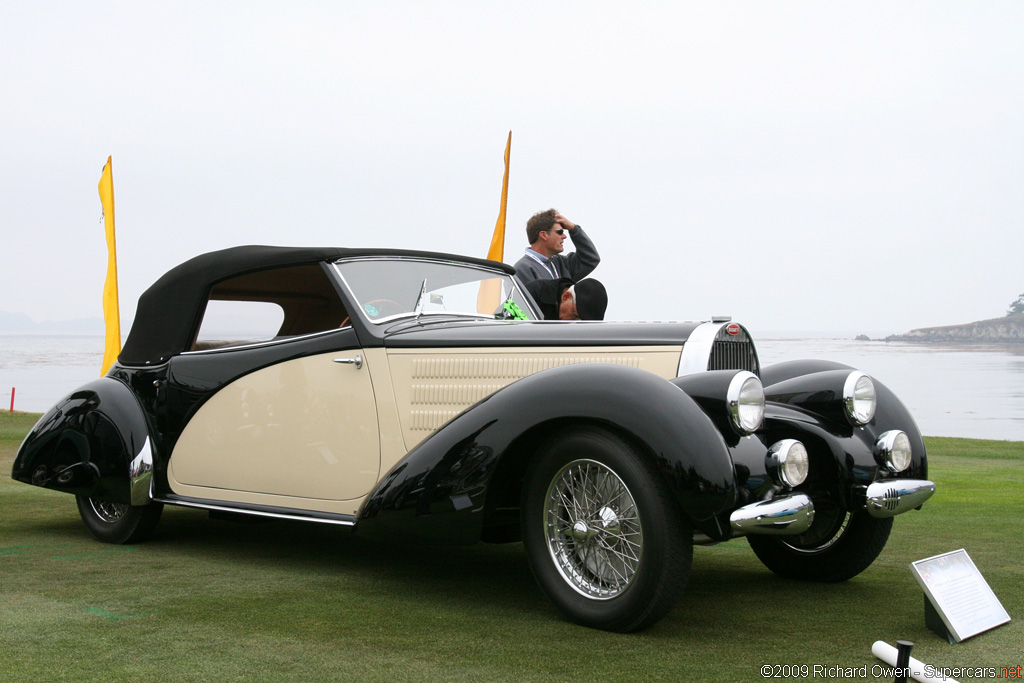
<point x="357" y="361"/>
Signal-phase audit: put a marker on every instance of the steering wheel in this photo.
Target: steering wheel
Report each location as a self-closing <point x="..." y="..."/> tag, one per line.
<point x="381" y="308"/>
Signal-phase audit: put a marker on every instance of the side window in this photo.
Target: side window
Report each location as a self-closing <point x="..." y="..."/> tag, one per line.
<point x="270" y="304"/>
<point x="237" y="322"/>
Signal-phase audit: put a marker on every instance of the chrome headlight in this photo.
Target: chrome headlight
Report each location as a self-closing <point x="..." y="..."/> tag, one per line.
<point x="745" y="399"/>
<point x="859" y="398"/>
<point x="893" y="450"/>
<point x="787" y="462"/>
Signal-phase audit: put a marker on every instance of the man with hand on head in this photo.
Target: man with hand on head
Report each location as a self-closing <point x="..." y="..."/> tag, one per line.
<point x="546" y="231"/>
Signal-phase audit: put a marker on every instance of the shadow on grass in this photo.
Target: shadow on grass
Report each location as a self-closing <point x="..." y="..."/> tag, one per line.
<point x="481" y="574"/>
<point x="726" y="585"/>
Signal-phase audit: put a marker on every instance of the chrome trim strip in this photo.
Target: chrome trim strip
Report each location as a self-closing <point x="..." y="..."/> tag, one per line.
<point x="266" y="342"/>
<point x="788" y="515"/>
<point x="257" y="513"/>
<point x="697" y="349"/>
<point x="140" y="476"/>
<point x="891" y="497"/>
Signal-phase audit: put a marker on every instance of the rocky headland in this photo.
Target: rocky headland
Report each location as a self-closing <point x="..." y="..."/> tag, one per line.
<point x="1006" y="330"/>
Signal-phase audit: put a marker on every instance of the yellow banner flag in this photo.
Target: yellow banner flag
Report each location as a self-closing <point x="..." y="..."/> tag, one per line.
<point x="111" y="311"/>
<point x="489" y="297"/>
<point x="497" y="250"/>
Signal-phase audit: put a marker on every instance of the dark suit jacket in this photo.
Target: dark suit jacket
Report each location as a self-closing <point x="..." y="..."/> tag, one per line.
<point x="576" y="265"/>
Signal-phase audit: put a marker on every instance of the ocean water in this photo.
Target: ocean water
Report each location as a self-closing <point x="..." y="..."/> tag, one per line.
<point x="42" y="369"/>
<point x="951" y="390"/>
<point x="967" y="391"/>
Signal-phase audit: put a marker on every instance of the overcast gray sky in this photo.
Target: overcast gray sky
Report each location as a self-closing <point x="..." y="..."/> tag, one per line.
<point x="799" y="165"/>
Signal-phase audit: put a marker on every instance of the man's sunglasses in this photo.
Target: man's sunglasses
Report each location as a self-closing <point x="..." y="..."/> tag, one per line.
<point x="560" y="231"/>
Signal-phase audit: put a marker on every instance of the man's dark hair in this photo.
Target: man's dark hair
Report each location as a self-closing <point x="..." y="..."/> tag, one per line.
<point x="542" y="220"/>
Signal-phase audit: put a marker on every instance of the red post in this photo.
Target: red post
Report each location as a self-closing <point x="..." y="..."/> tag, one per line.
<point x="12" y="399"/>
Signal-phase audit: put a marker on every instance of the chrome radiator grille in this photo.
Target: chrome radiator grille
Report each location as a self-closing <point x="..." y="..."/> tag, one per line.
<point x="734" y="352"/>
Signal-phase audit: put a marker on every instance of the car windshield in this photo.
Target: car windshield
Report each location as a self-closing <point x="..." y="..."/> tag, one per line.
<point x="388" y="288"/>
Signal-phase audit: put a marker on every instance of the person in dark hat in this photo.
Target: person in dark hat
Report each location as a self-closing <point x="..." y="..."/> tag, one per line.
<point x="562" y="300"/>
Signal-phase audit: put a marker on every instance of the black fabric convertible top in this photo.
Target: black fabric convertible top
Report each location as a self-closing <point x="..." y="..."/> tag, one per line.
<point x="169" y="311"/>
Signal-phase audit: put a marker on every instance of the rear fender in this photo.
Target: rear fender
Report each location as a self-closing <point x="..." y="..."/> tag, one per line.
<point x="94" y="442"/>
<point x="445" y="487"/>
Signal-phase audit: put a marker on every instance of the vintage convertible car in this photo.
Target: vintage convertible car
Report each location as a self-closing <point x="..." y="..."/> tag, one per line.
<point x="417" y="396"/>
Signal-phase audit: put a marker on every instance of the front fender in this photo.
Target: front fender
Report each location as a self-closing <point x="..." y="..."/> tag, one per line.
<point x="440" y="490"/>
<point x="842" y="455"/>
<point x="94" y="442"/>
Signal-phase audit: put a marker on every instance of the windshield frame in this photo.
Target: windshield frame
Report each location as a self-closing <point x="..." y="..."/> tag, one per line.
<point x="516" y="287"/>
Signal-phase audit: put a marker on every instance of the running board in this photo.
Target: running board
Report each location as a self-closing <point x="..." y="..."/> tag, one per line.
<point x="259" y="510"/>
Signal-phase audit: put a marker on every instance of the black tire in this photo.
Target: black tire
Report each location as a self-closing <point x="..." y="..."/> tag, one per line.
<point x="117" y="522"/>
<point x="605" y="539"/>
<point x="838" y="546"/>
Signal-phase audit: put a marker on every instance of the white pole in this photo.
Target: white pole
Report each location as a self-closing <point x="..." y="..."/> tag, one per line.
<point x="887" y="653"/>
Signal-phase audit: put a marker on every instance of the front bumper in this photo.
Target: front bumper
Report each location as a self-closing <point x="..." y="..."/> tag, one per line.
<point x="788" y="515"/>
<point x="793" y="514"/>
<point x="891" y="497"/>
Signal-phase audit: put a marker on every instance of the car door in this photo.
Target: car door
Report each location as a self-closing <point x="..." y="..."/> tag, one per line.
<point x="288" y="421"/>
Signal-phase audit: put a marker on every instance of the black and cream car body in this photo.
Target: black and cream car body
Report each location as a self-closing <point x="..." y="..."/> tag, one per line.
<point x="417" y="396"/>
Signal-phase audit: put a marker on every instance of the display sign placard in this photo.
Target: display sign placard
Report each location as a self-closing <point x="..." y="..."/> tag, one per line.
<point x="962" y="604"/>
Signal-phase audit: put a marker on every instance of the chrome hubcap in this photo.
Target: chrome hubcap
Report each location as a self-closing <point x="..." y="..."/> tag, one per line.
<point x="592" y="529"/>
<point x="107" y="511"/>
<point x="816" y="540"/>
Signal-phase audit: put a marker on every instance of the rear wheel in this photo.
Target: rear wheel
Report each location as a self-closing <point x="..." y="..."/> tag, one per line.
<point x="605" y="540"/>
<point x="117" y="522"/>
<point x="838" y="546"/>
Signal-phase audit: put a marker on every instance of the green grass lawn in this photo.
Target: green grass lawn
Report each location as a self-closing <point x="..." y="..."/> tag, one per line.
<point x="214" y="600"/>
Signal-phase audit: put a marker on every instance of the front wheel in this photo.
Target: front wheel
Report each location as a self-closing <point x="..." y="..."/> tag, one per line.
<point x="838" y="546"/>
<point x="604" y="538"/>
<point x="117" y="522"/>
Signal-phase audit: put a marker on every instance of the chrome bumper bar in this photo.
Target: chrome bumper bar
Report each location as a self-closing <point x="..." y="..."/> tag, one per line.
<point x="891" y="497"/>
<point x="792" y="514"/>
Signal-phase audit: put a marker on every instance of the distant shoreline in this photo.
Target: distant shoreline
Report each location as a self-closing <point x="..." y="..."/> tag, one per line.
<point x="1006" y="330"/>
<point x="19" y="323"/>
<point x="49" y="333"/>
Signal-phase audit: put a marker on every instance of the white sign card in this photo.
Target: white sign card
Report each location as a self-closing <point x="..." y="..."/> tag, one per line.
<point x="960" y="594"/>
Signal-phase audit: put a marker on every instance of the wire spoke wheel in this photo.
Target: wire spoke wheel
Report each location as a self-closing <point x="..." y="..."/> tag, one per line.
<point x="831" y="523"/>
<point x="606" y="541"/>
<point x="592" y="529"/>
<point x="839" y="545"/>
<point x="107" y="511"/>
<point x="118" y="522"/>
